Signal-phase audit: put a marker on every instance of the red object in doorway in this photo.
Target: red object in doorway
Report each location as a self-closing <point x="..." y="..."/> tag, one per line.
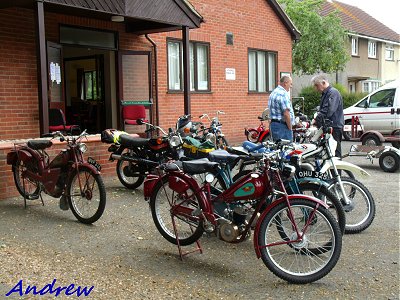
<point x="131" y="113"/>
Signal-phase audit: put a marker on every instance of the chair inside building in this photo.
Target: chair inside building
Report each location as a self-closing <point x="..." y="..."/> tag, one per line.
<point x="57" y="122"/>
<point x="131" y="113"/>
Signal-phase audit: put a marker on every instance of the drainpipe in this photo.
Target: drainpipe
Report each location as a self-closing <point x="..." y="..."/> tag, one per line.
<point x="156" y="79"/>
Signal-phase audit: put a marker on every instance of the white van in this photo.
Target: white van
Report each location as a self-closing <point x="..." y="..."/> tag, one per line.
<point x="379" y="112"/>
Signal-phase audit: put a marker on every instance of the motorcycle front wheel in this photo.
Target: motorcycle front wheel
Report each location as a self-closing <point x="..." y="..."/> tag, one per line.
<point x="222" y="143"/>
<point x="252" y="135"/>
<point x="290" y="257"/>
<point x="129" y="174"/>
<point x="28" y="188"/>
<point x="86" y="195"/>
<point x="173" y="214"/>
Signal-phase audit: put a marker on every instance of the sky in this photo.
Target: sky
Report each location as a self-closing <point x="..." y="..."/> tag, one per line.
<point x="385" y="11"/>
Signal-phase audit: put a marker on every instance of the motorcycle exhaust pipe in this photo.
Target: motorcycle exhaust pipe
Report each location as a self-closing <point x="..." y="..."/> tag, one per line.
<point x="135" y="159"/>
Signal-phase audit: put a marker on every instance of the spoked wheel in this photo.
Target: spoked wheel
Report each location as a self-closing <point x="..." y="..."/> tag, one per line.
<point x="361" y="211"/>
<point x="321" y="192"/>
<point x="316" y="228"/>
<point x="29" y="189"/>
<point x="389" y="161"/>
<point x="130" y="174"/>
<point x="87" y="195"/>
<point x="174" y="214"/>
<point x="252" y="135"/>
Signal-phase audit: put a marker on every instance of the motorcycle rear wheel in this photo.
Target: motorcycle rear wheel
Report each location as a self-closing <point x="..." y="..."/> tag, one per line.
<point x="165" y="204"/>
<point x="291" y="259"/>
<point x="130" y="182"/>
<point x="87" y="204"/>
<point x="28" y="188"/>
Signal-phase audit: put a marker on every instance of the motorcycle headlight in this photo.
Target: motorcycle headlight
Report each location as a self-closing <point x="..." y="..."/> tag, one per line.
<point x="82" y="147"/>
<point x="175" y="141"/>
<point x="210" y="137"/>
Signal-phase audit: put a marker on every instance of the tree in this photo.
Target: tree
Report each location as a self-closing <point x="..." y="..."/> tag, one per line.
<point x="322" y="46"/>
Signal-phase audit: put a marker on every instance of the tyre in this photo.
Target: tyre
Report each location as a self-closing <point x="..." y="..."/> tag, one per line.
<point x="371" y="140"/>
<point x="169" y="208"/>
<point x="361" y="211"/>
<point x="130" y="174"/>
<point x="296" y="263"/>
<point x="86" y="195"/>
<point x="389" y="161"/>
<point x="28" y="189"/>
<point x="252" y="135"/>
<point x="322" y="193"/>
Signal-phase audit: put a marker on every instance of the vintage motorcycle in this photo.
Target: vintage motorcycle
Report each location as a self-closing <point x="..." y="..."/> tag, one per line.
<point x="68" y="175"/>
<point x="296" y="236"/>
<point x="213" y="132"/>
<point x="137" y="157"/>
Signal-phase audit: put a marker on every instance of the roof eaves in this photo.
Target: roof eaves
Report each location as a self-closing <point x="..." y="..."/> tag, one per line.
<point x="295" y="33"/>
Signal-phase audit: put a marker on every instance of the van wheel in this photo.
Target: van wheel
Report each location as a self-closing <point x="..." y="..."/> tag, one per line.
<point x="371" y="140"/>
<point x="389" y="161"/>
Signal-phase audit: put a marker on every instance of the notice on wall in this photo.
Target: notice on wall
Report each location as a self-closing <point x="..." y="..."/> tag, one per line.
<point x="230" y="74"/>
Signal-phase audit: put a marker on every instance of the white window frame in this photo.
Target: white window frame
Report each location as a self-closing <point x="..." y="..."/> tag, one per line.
<point x="389" y="52"/>
<point x="371" y="49"/>
<point x="354" y="45"/>
<point x="261" y="70"/>
<point x="199" y="67"/>
<point x="368" y="86"/>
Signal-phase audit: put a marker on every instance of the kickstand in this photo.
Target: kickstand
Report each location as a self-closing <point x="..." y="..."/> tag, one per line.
<point x="181" y="253"/>
<point x="41" y="198"/>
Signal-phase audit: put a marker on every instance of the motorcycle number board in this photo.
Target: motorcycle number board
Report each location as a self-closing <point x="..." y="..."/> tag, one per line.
<point x="94" y="163"/>
<point x="313" y="174"/>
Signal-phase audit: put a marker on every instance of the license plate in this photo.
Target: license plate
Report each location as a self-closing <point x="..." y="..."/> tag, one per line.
<point x="312" y="174"/>
<point x="94" y="163"/>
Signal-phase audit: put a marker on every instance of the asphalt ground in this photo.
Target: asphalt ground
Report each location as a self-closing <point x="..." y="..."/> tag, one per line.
<point x="124" y="257"/>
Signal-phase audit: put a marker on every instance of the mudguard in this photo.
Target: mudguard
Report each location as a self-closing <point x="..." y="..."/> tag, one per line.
<point x="271" y="206"/>
<point x="149" y="184"/>
<point x="344" y="165"/>
<point x="87" y="165"/>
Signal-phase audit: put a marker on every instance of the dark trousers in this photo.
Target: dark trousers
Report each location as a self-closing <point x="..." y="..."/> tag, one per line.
<point x="337" y="135"/>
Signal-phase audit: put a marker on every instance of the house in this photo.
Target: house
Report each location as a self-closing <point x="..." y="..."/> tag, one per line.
<point x="91" y="58"/>
<point x="374" y="51"/>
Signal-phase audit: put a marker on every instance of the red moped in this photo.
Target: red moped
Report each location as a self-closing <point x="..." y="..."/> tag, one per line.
<point x="68" y="175"/>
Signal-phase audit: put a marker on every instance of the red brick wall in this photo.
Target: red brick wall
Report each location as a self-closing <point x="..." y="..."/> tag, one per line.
<point x="253" y="25"/>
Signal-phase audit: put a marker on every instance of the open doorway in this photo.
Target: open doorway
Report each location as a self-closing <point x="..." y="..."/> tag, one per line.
<point x="90" y="88"/>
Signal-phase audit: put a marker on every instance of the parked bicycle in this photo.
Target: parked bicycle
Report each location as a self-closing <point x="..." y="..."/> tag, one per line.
<point x="68" y="176"/>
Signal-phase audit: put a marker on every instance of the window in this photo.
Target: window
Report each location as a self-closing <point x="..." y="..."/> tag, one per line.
<point x="199" y="66"/>
<point x="262" y="71"/>
<point x="90" y="85"/>
<point x="383" y="98"/>
<point x="389" y="52"/>
<point x="354" y="45"/>
<point x="371" y="49"/>
<point x="369" y="86"/>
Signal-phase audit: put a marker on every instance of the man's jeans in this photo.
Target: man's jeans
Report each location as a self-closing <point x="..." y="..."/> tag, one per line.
<point x="280" y="131"/>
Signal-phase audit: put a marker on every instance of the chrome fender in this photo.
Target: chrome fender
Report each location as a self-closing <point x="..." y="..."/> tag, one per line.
<point x="344" y="165"/>
<point x="271" y="206"/>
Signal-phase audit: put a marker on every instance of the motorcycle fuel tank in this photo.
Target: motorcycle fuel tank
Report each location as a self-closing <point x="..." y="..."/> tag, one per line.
<point x="249" y="187"/>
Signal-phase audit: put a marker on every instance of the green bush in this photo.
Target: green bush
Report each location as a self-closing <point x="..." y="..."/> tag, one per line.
<point x="312" y="98"/>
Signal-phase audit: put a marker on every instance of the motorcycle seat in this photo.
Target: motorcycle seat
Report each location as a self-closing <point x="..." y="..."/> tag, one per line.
<point x="197" y="166"/>
<point x="222" y="156"/>
<point x="132" y="142"/>
<point x="39" y="144"/>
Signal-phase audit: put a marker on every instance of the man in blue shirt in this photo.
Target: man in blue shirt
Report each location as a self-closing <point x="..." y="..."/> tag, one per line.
<point x="281" y="111"/>
<point x="331" y="108"/>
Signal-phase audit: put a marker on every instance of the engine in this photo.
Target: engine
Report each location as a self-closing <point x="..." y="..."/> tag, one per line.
<point x="233" y="221"/>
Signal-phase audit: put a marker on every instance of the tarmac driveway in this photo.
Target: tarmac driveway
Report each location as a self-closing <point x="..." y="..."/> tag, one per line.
<point x="124" y="257"/>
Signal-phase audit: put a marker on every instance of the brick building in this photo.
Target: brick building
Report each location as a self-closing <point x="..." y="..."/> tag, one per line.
<point x="85" y="57"/>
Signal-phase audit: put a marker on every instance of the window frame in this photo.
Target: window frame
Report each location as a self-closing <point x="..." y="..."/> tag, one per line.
<point x="389" y="48"/>
<point x="372" y="49"/>
<point x="354" y="46"/>
<point x="267" y="53"/>
<point x="195" y="66"/>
